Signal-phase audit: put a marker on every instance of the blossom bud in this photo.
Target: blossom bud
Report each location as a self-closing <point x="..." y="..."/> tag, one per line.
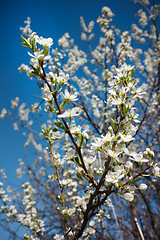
<point x="143" y="187"/>
<point x="129" y="197"/>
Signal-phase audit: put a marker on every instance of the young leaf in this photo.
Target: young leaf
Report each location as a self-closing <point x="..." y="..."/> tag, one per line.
<point x="77" y="161"/>
<point x="60" y="197"/>
<point x="125" y="109"/>
<point x="81" y="140"/>
<point x="131" y="74"/>
<point x="63" y="104"/>
<point x="25" y="42"/>
<point x="59" y="124"/>
<point x="113" y="124"/>
<point x="45" y="50"/>
<point x="33" y="44"/>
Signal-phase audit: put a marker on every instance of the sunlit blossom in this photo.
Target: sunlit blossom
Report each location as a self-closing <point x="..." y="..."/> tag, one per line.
<point x="70" y="113"/>
<point x="45" y="41"/>
<point x="39" y="56"/>
<point x="100" y="141"/>
<point x="126" y="138"/>
<point x="67" y="96"/>
<point x="138" y="157"/>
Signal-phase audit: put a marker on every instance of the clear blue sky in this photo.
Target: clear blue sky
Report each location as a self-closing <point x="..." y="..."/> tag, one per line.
<point x="50" y="18"/>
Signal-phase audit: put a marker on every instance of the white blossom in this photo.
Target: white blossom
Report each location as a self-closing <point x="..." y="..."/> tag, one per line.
<point x="58" y="237"/>
<point x="70" y="113"/>
<point x="138" y="157"/>
<point x="156" y="171"/>
<point x="107" y="12"/>
<point x="67" y="96"/>
<point x="126" y="138"/>
<point x="14" y="103"/>
<point x="45" y="41"/>
<point x="39" y="56"/>
<point x="3" y="113"/>
<point x="129" y="165"/>
<point x="27" y="30"/>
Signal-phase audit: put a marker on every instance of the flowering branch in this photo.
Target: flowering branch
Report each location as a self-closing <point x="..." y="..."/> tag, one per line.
<point x="97" y="148"/>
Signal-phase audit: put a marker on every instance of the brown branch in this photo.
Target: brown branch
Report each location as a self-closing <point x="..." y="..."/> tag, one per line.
<point x="78" y="149"/>
<point x="92" y="208"/>
<point x="152" y="221"/>
<point x="89" y="118"/>
<point x="136" y="176"/>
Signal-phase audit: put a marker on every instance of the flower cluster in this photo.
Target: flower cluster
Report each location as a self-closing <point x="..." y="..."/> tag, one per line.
<point x="123" y="92"/>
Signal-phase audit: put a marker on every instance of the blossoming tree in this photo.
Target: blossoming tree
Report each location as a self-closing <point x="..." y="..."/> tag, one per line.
<point x="96" y="141"/>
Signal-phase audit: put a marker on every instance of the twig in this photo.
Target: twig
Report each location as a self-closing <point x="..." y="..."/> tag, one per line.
<point x="139" y="228"/>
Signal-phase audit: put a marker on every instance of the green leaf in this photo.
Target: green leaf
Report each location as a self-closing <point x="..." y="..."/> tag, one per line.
<point x="23" y="39"/>
<point x="125" y="108"/>
<point x="49" y="140"/>
<point x="77" y="161"/>
<point x="113" y="124"/>
<point x="25" y="42"/>
<point x="35" y="71"/>
<point x="65" y="216"/>
<point x="63" y="104"/>
<point x="136" y="180"/>
<point x="49" y="129"/>
<point x="59" y="124"/>
<point x="131" y="74"/>
<point x="53" y="163"/>
<point x="49" y="149"/>
<point x="55" y="130"/>
<point x="45" y="50"/>
<point x="81" y="140"/>
<point x="60" y="197"/>
<point x="33" y="44"/>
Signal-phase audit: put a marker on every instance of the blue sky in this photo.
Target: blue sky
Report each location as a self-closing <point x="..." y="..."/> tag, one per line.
<point x="50" y="18"/>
